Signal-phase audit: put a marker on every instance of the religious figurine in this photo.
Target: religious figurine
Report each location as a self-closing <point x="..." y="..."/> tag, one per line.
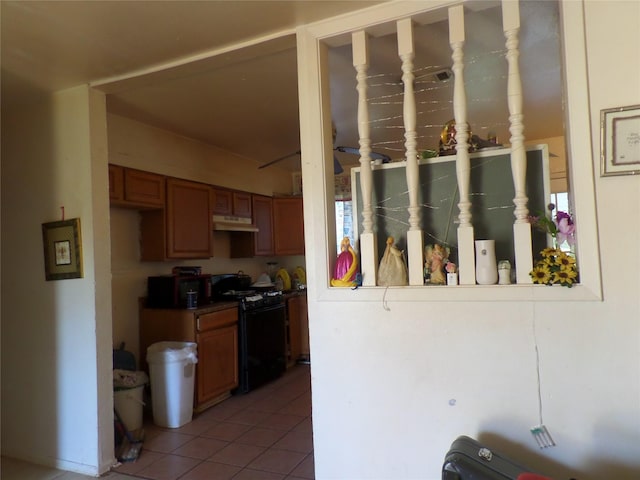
<point x="393" y="267"/>
<point x="345" y="272"/>
<point x="436" y="256"/>
<point x="447" y="144"/>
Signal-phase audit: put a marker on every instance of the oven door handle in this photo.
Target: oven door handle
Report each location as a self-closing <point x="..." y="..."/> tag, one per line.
<point x="268" y="308"/>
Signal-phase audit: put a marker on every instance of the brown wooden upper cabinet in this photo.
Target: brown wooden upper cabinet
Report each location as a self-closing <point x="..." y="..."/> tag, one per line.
<point x="231" y="203"/>
<point x="135" y="189"/>
<point x="184" y="228"/>
<point x="288" y="226"/>
<point x="222" y="202"/>
<point x="263" y="218"/>
<point x="244" y="245"/>
<point x="116" y="183"/>
<point x="242" y="206"/>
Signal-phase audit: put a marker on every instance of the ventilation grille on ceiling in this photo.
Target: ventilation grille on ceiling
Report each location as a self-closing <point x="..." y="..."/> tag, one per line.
<point x="439" y="76"/>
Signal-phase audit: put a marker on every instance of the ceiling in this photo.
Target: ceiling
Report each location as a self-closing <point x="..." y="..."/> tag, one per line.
<point x="169" y="64"/>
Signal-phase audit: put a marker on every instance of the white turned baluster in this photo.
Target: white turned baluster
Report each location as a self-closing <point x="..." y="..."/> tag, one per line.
<point x="414" y="235"/>
<point x="368" y="247"/>
<point x="521" y="226"/>
<point x="466" y="253"/>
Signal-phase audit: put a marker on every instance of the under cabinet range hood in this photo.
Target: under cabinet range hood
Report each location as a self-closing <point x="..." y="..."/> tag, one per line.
<point x="224" y="223"/>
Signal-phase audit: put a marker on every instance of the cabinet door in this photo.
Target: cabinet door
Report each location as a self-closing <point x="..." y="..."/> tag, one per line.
<point x="189" y="222"/>
<point x="288" y="226"/>
<point x="294" y="331"/>
<point x="143" y="188"/>
<point x="217" y="368"/>
<point x="263" y="218"/>
<point x="135" y="189"/>
<point x="116" y="183"/>
<point x="304" y="327"/>
<point x="242" y="204"/>
<point x="222" y="202"/>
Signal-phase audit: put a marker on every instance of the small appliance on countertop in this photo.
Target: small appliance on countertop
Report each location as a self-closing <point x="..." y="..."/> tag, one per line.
<point x="225" y="282"/>
<point x="177" y="291"/>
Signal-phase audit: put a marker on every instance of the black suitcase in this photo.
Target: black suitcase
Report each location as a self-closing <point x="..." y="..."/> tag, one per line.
<point x="467" y="459"/>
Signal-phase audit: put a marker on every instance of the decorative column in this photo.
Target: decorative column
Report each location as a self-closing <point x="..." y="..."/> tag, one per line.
<point x="368" y="247"/>
<point x="415" y="240"/>
<point x="521" y="226"/>
<point x="466" y="251"/>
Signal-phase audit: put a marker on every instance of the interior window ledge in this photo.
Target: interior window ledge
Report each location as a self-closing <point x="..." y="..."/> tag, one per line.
<point x="315" y="137"/>
<point x="462" y="293"/>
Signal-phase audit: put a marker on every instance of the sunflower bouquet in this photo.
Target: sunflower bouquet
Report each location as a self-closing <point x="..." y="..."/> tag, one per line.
<point x="555" y="265"/>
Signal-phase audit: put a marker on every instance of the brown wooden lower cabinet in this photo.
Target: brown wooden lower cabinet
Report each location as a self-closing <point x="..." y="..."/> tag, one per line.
<point x="214" y="330"/>
<point x="297" y="328"/>
<point x="217" y="357"/>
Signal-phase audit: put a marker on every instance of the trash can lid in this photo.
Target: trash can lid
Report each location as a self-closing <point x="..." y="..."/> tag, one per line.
<point x="126" y="379"/>
<point x="161" y="352"/>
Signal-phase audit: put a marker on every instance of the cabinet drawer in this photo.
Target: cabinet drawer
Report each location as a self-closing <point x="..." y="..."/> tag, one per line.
<point x="209" y="321"/>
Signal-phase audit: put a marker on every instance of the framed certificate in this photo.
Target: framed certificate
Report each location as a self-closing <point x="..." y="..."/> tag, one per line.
<point x="620" y="141"/>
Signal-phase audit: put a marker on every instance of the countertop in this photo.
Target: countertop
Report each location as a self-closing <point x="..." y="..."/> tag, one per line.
<point x="215" y="306"/>
<point x="294" y="293"/>
<point x="223" y="304"/>
<point x="206" y="308"/>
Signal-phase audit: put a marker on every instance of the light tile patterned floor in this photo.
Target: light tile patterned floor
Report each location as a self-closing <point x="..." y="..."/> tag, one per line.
<point x="263" y="435"/>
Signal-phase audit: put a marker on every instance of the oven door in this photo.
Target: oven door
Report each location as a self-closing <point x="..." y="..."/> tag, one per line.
<point x="262" y="346"/>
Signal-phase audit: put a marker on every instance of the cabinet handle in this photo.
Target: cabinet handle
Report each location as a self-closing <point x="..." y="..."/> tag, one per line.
<point x="198" y="323"/>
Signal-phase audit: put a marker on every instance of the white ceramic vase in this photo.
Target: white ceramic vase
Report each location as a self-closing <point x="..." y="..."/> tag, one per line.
<point x="486" y="266"/>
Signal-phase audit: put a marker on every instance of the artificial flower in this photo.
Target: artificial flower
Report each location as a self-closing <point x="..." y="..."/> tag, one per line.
<point x="548" y="252"/>
<point x="555" y="267"/>
<point x="541" y="273"/>
<point x="565" y="229"/>
<point x="566" y="261"/>
<point x="561" y="228"/>
<point x="565" y="276"/>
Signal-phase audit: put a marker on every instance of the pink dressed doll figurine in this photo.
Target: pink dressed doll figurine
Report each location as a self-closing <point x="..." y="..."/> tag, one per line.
<point x="344" y="274"/>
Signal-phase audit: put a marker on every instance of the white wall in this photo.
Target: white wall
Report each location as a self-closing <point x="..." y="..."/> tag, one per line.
<point x="56" y="360"/>
<point x="383" y="380"/>
<point x="394" y="383"/>
<point x="136" y="145"/>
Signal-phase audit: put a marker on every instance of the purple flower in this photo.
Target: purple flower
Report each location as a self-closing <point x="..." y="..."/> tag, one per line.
<point x="565" y="228"/>
<point x="560" y="215"/>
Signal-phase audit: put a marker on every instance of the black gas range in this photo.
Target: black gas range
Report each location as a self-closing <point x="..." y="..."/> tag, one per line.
<point x="253" y="299"/>
<point x="261" y="330"/>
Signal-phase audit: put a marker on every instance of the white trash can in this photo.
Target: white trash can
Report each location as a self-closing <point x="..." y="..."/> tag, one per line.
<point x="172" y="371"/>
